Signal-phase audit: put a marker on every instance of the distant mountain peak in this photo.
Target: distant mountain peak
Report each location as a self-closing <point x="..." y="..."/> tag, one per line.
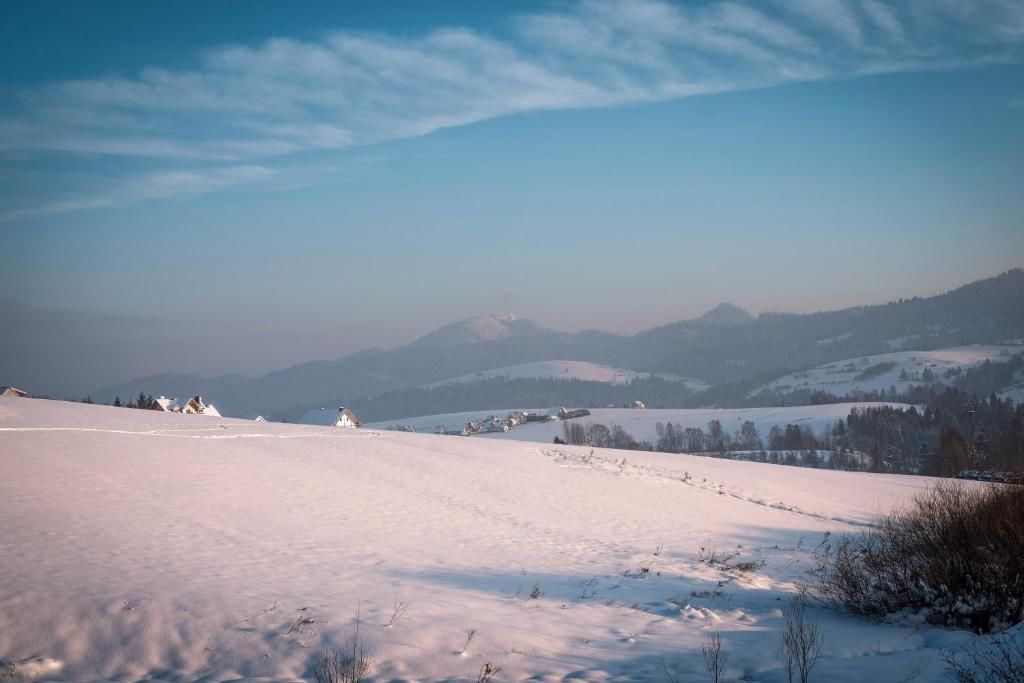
<point x="726" y="314"/>
<point x="481" y="329"/>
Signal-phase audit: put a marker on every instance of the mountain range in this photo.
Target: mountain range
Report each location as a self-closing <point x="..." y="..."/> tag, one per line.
<point x="725" y="345"/>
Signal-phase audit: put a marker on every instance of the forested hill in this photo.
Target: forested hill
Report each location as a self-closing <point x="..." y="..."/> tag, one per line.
<point x="727" y="345"/>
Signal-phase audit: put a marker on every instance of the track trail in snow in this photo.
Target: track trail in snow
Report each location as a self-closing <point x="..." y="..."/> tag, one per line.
<point x="562" y="458"/>
<point x="623" y="467"/>
<point x="176" y="433"/>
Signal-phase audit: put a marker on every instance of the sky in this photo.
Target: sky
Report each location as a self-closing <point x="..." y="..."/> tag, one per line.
<point x="240" y="186"/>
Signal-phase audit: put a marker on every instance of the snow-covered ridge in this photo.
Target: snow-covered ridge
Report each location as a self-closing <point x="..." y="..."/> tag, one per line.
<point x="567" y="369"/>
<point x="902" y="369"/>
<point x="144" y="545"/>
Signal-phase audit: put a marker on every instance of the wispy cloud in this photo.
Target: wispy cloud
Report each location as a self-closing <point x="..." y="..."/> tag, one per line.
<point x="151" y="185"/>
<point x="245" y="105"/>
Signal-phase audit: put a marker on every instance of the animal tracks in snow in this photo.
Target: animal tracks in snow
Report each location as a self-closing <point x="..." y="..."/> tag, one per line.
<point x="622" y="467"/>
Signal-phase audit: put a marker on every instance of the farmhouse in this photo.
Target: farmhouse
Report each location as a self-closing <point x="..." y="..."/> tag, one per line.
<point x="164" y="404"/>
<point x="328" y="418"/>
<point x="193" y="406"/>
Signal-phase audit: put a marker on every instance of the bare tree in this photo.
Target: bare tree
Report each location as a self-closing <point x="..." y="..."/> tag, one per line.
<point x="715" y="656"/>
<point x="800" y="642"/>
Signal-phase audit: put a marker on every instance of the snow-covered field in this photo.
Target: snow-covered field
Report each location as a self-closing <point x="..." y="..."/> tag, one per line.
<point x="138" y="544"/>
<point x="642" y="424"/>
<point x="453" y="422"/>
<point x="1015" y="392"/>
<point x="568" y="369"/>
<point x="901" y="369"/>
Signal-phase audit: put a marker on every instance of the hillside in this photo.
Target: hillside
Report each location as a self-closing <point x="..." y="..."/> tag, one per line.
<point x="641" y="424"/>
<point x="901" y="369"/>
<point x="147" y="545"/>
<point x="565" y="369"/>
<point x="726" y="345"/>
<point x="986" y="311"/>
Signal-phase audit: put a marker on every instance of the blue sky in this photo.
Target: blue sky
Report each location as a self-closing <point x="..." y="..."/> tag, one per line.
<point x="327" y="177"/>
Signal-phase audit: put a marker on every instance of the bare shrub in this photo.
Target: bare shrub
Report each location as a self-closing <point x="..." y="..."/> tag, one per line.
<point x="487" y="673"/>
<point x="397" y="613"/>
<point x="955" y="555"/>
<point x="915" y="670"/>
<point x="344" y="666"/>
<point x="671" y="671"/>
<point x="715" y="656"/>
<point x="536" y="592"/>
<point x="470" y="635"/>
<point x="800" y="642"/>
<point x="750" y="565"/>
<point x="1000" y="660"/>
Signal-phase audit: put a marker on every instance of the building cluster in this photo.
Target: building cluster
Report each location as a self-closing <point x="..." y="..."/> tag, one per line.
<point x="192" y="406"/>
<point x="569" y="414"/>
<point x="496" y="423"/>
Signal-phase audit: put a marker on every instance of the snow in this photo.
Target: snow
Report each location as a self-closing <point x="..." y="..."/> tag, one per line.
<point x="568" y="369"/>
<point x="841" y="377"/>
<point x="642" y="424"/>
<point x="834" y="340"/>
<point x="452" y="422"/>
<point x="1015" y="392"/>
<point x="139" y="544"/>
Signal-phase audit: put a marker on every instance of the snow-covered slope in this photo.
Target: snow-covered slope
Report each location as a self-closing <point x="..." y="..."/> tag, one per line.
<point x="568" y="369"/>
<point x="901" y="369"/>
<point x="1015" y="391"/>
<point x="642" y="424"/>
<point x="137" y="544"/>
<point x="452" y="422"/>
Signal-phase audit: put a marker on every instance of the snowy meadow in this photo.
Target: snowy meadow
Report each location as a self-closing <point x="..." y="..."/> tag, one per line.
<point x="139" y="545"/>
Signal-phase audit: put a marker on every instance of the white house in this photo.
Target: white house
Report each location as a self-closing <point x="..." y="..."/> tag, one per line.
<point x="329" y="418"/>
<point x="193" y="406"/>
<point x="164" y="404"/>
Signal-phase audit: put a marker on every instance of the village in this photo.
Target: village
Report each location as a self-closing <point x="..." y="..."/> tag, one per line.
<point x="344" y="417"/>
<point x="485" y="425"/>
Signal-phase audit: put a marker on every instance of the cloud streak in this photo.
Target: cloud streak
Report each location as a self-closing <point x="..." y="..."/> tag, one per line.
<point x="151" y="185"/>
<point x="249" y="105"/>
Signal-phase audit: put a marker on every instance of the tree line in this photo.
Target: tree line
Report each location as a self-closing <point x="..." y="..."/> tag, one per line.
<point x="953" y="434"/>
<point x="143" y="401"/>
